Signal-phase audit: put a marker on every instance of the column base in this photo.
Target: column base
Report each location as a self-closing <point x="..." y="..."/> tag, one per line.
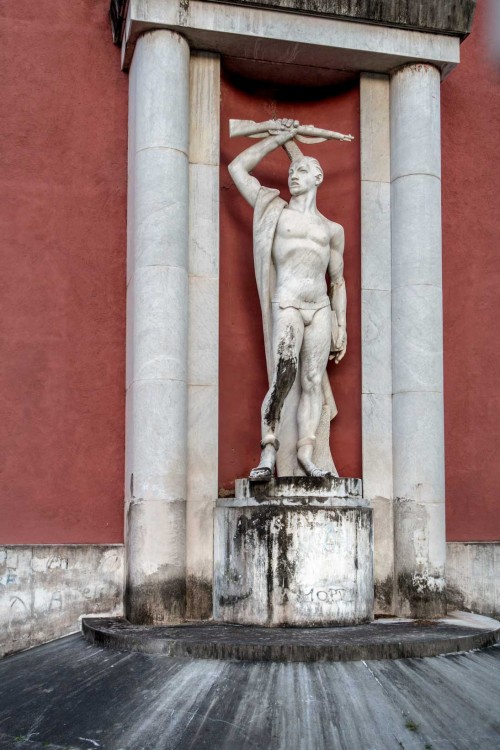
<point x="295" y="551"/>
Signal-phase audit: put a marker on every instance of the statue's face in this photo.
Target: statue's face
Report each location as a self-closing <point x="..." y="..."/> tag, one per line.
<point x="304" y="175"/>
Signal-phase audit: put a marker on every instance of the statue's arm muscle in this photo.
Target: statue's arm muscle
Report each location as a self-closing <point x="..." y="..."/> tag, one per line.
<point x="338" y="294"/>
<point x="336" y="271"/>
<point x="244" y="163"/>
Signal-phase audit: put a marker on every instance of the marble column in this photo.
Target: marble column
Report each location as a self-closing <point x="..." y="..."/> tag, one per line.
<point x="376" y="327"/>
<point x="157" y="329"/>
<point x="417" y="342"/>
<point x="203" y="350"/>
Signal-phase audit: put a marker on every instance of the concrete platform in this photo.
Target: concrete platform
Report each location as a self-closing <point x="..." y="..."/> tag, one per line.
<point x="72" y="695"/>
<point x="382" y="639"/>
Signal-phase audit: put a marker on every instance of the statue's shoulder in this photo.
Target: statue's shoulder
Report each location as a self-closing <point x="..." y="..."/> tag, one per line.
<point x="336" y="230"/>
<point x="268" y="194"/>
<point x="268" y="199"/>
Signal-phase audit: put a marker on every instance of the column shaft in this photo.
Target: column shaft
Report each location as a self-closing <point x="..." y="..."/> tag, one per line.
<point x="417" y="342"/>
<point x="203" y="357"/>
<point x="376" y="327"/>
<point x="157" y="328"/>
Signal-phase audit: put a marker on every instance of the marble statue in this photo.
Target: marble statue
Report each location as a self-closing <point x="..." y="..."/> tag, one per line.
<point x="304" y="323"/>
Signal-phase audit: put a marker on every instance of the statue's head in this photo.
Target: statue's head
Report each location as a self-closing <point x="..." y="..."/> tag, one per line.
<point x="305" y="174"/>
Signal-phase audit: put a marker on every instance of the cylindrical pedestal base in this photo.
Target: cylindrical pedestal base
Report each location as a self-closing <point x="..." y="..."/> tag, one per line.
<point x="304" y="561"/>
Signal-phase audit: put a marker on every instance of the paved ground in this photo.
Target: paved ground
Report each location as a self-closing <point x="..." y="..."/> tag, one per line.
<point x="70" y="694"/>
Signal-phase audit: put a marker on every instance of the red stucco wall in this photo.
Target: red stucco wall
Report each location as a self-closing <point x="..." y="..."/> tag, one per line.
<point x="62" y="297"/>
<point x="243" y="378"/>
<point x="471" y="269"/>
<point x="63" y="136"/>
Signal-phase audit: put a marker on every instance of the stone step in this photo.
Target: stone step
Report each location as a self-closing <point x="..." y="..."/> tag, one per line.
<point x="382" y="639"/>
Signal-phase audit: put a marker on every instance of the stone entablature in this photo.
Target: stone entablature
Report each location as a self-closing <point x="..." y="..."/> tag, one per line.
<point x="440" y="16"/>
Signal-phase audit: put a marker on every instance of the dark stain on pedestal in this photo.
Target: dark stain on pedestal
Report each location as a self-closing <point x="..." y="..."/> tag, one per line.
<point x="232" y="599"/>
<point x="259" y="523"/>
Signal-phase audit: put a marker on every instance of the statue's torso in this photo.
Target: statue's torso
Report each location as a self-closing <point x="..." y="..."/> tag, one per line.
<point x="300" y="254"/>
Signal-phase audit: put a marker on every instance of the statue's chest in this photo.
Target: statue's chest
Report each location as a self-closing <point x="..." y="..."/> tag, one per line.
<point x="294" y="226"/>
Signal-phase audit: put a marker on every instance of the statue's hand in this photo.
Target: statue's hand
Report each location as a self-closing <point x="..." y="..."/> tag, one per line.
<point x="285" y="130"/>
<point x="339" y="345"/>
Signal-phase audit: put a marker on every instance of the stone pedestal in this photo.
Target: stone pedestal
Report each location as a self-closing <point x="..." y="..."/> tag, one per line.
<point x="294" y="551"/>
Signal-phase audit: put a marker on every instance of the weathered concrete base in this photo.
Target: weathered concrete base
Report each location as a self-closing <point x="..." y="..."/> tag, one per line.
<point x="290" y="552"/>
<point x="473" y="577"/>
<point x="44" y="589"/>
<point x="382" y="639"/>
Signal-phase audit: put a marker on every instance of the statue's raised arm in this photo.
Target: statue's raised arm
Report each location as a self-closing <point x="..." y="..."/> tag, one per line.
<point x="241" y="167"/>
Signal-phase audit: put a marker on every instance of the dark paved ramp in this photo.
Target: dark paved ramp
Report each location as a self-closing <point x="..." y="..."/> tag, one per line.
<point x="70" y="694"/>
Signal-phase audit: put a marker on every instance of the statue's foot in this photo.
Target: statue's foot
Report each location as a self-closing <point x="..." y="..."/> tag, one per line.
<point x="314" y="471"/>
<point x="320" y="473"/>
<point x="265" y="470"/>
<point x="261" y="474"/>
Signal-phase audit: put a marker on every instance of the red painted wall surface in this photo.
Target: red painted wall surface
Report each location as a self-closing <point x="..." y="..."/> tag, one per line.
<point x="63" y="136"/>
<point x="471" y="269"/>
<point x="243" y="379"/>
<point x="62" y="297"/>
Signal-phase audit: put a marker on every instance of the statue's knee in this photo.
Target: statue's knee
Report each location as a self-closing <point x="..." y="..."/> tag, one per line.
<point x="311" y="382"/>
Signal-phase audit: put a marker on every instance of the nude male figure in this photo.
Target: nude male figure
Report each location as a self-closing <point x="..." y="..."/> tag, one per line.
<point x="308" y="324"/>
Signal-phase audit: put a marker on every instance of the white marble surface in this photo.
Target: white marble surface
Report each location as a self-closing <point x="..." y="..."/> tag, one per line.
<point x="418" y="446"/>
<point x="158" y="522"/>
<point x="377" y="445"/>
<point x="204" y="224"/>
<point x="417" y="360"/>
<point x="272" y="35"/>
<point x="416" y="230"/>
<point x="203" y="339"/>
<point x="376" y="323"/>
<point x="426" y="553"/>
<point x="156" y="300"/>
<point x="300" y="331"/>
<point x="417" y="337"/>
<point x="376" y="234"/>
<point x="420" y="552"/>
<point x="204" y="103"/>
<point x="201" y="493"/>
<point x="161" y="82"/>
<point x="376" y="341"/>
<point x="156" y="446"/>
<point x="203" y="442"/>
<point x="334" y="488"/>
<point x="157" y="328"/>
<point x="375" y="132"/>
<point x="415" y="120"/>
<point x="203" y="330"/>
<point x="160" y="209"/>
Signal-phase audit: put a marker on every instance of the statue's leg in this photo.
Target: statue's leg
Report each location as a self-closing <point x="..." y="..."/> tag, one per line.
<point x="288" y="329"/>
<point x="314" y="358"/>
